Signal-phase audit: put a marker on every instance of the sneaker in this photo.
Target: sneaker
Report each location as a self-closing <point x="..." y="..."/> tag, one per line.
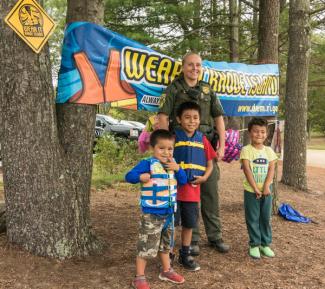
<point x="254" y="252"/>
<point x="220" y="246"/>
<point x="171" y="276"/>
<point x="267" y="251"/>
<point x="140" y="282"/>
<point x="194" y="249"/>
<point x="188" y="262"/>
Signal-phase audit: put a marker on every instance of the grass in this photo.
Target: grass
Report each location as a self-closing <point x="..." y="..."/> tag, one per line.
<point x="316" y="143"/>
<point x="316" y="147"/>
<point x="100" y="180"/>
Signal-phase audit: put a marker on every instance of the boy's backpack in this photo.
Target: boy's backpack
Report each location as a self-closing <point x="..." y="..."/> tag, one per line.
<point x="290" y="214"/>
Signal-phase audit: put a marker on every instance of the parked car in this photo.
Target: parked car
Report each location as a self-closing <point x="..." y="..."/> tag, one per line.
<point x="137" y="124"/>
<point x="121" y="128"/>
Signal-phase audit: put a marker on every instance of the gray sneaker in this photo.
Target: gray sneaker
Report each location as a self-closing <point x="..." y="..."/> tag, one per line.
<point x="194" y="249"/>
<point x="220" y="246"/>
<point x="188" y="263"/>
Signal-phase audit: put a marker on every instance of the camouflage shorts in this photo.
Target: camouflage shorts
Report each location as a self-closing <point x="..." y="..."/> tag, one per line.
<point x="151" y="236"/>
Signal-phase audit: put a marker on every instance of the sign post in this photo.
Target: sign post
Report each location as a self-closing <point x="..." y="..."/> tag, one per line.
<point x="29" y="20"/>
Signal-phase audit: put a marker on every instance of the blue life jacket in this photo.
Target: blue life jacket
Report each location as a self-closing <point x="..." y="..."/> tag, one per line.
<point x="160" y="192"/>
<point x="189" y="153"/>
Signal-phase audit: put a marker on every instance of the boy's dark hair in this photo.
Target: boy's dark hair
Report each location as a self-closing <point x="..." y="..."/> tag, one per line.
<point x="188" y="105"/>
<point x="160" y="134"/>
<point x="257" y="121"/>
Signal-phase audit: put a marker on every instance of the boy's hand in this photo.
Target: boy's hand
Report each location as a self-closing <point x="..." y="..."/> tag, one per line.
<point x="144" y="178"/>
<point x="199" y="180"/>
<point x="172" y="165"/>
<point x="266" y="191"/>
<point x="258" y="194"/>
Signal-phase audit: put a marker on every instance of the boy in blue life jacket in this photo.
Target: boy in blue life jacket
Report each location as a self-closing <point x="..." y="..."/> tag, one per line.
<point x="159" y="176"/>
<point x="195" y="155"/>
<point x="258" y="162"/>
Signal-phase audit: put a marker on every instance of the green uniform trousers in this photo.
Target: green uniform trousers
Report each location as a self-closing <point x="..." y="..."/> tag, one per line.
<point x="210" y="207"/>
<point x="258" y="217"/>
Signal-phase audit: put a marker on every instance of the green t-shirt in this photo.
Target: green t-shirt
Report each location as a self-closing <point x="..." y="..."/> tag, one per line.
<point x="259" y="161"/>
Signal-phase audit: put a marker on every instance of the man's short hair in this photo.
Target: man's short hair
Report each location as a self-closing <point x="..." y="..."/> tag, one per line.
<point x="189" y="54"/>
<point x="188" y="105"/>
<point x="257" y="121"/>
<point x="160" y="134"/>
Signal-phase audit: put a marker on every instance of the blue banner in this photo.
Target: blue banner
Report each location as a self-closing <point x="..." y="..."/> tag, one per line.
<point x="99" y="65"/>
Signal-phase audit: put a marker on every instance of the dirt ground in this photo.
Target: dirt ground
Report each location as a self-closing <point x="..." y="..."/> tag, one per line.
<point x="299" y="248"/>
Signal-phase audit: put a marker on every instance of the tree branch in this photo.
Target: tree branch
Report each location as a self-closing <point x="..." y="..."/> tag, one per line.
<point x="317" y="11"/>
<point x="250" y="5"/>
<point x="314" y="24"/>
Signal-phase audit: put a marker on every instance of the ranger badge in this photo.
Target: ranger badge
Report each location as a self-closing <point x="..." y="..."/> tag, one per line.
<point x="205" y="89"/>
<point x="162" y="100"/>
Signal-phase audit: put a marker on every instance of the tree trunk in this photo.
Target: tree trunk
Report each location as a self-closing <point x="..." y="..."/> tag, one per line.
<point x="294" y="160"/>
<point x="45" y="183"/>
<point x="233" y="122"/>
<point x="253" y="58"/>
<point x="268" y="33"/>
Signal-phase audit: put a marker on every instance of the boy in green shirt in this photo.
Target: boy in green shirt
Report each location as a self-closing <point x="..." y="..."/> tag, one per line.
<point x="258" y="162"/>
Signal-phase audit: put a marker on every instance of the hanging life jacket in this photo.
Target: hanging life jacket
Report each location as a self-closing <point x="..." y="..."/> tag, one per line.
<point x="160" y="192"/>
<point x="189" y="153"/>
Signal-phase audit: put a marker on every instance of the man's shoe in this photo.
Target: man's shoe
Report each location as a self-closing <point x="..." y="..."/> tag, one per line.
<point x="220" y="246"/>
<point x="140" y="282"/>
<point x="267" y="251"/>
<point x="194" y="249"/>
<point x="171" y="276"/>
<point x="188" y="262"/>
<point x="254" y="252"/>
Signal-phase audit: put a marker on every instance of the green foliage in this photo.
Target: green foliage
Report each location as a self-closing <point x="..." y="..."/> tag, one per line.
<point x="171" y="27"/>
<point x="100" y="180"/>
<point x="316" y="85"/>
<point x="57" y="9"/>
<point x="115" y="156"/>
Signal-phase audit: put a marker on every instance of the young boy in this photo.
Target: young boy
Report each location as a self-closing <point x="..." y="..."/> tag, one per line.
<point x="194" y="153"/>
<point x="258" y="163"/>
<point x="158" y="176"/>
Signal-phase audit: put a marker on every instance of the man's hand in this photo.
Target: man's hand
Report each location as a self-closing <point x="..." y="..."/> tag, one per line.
<point x="172" y="165"/>
<point x="220" y="153"/>
<point x="144" y="178"/>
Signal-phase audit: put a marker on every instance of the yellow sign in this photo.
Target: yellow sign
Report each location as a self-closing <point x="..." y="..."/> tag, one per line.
<point x="29" y="20"/>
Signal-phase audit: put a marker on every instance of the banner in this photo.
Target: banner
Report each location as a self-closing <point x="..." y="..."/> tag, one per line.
<point x="99" y="65"/>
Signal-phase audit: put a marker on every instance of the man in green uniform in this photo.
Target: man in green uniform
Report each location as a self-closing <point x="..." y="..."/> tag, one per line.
<point x="187" y="87"/>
